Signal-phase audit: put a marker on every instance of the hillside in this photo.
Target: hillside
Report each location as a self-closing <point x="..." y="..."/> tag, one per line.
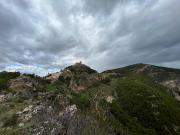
<point x="168" y="77"/>
<point x="139" y="99"/>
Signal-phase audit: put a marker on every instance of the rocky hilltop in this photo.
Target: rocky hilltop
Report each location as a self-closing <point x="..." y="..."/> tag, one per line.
<point x="139" y="99"/>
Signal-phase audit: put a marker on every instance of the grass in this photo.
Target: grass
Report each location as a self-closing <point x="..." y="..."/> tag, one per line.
<point x="7" y="117"/>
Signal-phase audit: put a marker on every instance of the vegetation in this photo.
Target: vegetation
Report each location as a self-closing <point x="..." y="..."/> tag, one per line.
<point x="148" y="102"/>
<point x="139" y="105"/>
<point x="5" y="77"/>
<point x="8" y="118"/>
<point x="81" y="100"/>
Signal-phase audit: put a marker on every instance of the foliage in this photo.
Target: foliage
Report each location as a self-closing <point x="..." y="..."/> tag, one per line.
<point x="58" y="87"/>
<point x="8" y="118"/>
<point x="149" y="102"/>
<point x="5" y="77"/>
<point x="11" y="131"/>
<point x="82" y="100"/>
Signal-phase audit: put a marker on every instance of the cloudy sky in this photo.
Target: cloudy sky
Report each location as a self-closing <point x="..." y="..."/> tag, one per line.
<point x="41" y="36"/>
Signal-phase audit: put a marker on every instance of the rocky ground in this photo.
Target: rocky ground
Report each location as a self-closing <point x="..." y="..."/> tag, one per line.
<point x="135" y="100"/>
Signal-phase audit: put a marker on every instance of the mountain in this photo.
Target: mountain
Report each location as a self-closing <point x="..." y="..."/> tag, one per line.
<point x="168" y="77"/>
<point x="139" y="99"/>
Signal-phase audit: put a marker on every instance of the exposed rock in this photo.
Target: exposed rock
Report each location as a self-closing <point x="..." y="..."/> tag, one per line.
<point x="172" y="84"/>
<point x="28" y="112"/>
<point x="22" y="84"/>
<point x="21" y="124"/>
<point x="55" y="112"/>
<point x="146" y="66"/>
<point x="66" y="74"/>
<point x="83" y="81"/>
<point x="38" y="109"/>
<point x="79" y="77"/>
<point x="2" y="98"/>
<point x="109" y="99"/>
<point x="53" y="77"/>
<point x="70" y="110"/>
<point x="25" y="115"/>
<point x="175" y="86"/>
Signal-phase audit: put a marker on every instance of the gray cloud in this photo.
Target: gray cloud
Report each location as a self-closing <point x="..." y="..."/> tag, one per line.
<point x="43" y="36"/>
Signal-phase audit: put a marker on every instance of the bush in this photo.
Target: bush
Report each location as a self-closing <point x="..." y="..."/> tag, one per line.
<point x="13" y="131"/>
<point x="142" y="98"/>
<point x="10" y="119"/>
<point x="5" y="77"/>
<point x="82" y="100"/>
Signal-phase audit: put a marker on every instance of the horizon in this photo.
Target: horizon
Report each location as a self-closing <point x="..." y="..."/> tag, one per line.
<point x="44" y="75"/>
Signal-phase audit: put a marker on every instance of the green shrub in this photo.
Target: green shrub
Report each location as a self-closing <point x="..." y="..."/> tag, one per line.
<point x="82" y="100"/>
<point x="8" y="118"/>
<point x="5" y="77"/>
<point x="149" y="102"/>
<point x="51" y="87"/>
<point x="13" y="131"/>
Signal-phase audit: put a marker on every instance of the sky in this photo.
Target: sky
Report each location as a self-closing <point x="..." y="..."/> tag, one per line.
<point x="44" y="36"/>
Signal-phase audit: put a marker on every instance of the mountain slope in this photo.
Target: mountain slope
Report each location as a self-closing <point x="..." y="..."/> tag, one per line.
<point x="168" y="77"/>
<point x="125" y="101"/>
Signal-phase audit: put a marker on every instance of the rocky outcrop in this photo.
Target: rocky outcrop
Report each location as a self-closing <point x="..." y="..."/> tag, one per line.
<point x="53" y="77"/>
<point x="79" y="77"/>
<point x="6" y="97"/>
<point x="83" y="81"/>
<point x="70" y="110"/>
<point x="174" y="85"/>
<point x="22" y="84"/>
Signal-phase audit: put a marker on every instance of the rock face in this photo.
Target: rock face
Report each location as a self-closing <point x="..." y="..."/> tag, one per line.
<point x="53" y="77"/>
<point x="174" y="85"/>
<point x="22" y="84"/>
